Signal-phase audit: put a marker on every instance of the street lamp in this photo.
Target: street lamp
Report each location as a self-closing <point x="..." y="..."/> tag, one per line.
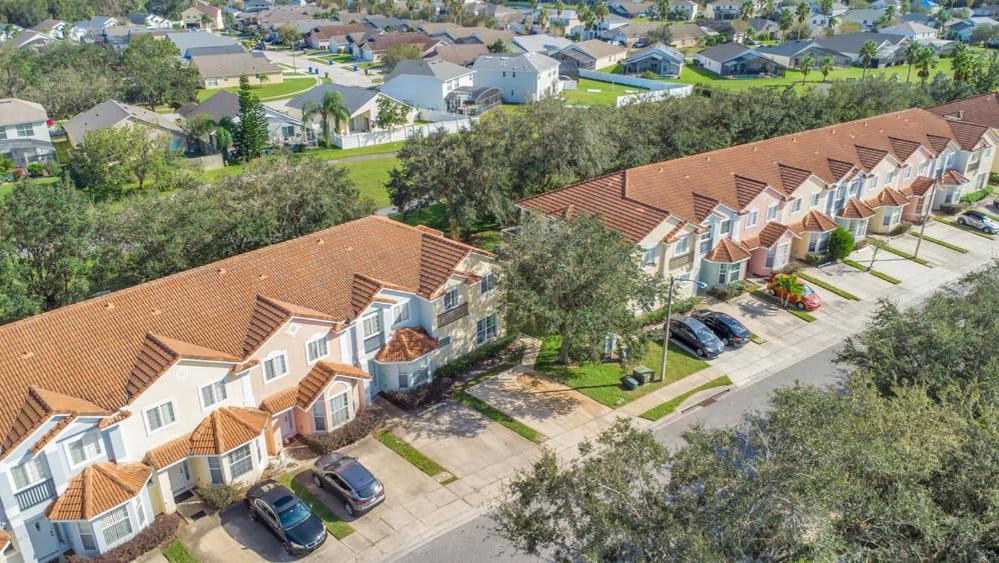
<point x="926" y="218"/>
<point x="669" y="313"/>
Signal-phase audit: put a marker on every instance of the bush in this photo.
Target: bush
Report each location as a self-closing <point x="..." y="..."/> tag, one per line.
<point x="36" y="169"/>
<point x="220" y="496"/>
<point x="439" y="389"/>
<point x="951" y="208"/>
<point x="787" y="269"/>
<point x="162" y="530"/>
<point x="366" y="421"/>
<point x="977" y="195"/>
<point x="458" y="366"/>
<point x="901" y="228"/>
<point x="680" y="307"/>
<point x="650" y="75"/>
<point x="726" y="292"/>
<point x="840" y="243"/>
<point x="815" y="258"/>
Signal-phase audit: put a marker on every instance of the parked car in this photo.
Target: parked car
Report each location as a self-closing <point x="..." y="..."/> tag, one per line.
<point x="287" y="517"/>
<point x="696" y="336"/>
<point x="346" y="478"/>
<point x="978" y="220"/>
<point x="726" y="327"/>
<point x="808" y="301"/>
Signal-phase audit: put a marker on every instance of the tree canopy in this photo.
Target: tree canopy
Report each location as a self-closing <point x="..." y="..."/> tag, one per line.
<point x="154" y="74"/>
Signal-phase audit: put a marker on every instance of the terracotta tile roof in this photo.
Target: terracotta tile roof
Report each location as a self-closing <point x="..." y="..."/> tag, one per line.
<point x="967" y="135"/>
<point x="671" y="236"/>
<point x="856" y="209"/>
<point x="320" y="376"/>
<point x="939" y="144"/>
<point x="636" y="200"/>
<point x="983" y="110"/>
<point x="406" y="345"/>
<point x="920" y="186"/>
<point x="4" y="540"/>
<point x="52" y="433"/>
<point x="114" y="419"/>
<point x="888" y="196"/>
<point x="728" y="251"/>
<point x="771" y="234"/>
<point x="112" y="347"/>
<point x="280" y="401"/>
<point x="227" y="428"/>
<point x="170" y="452"/>
<point x="814" y="222"/>
<point x="952" y="178"/>
<point x="99" y="488"/>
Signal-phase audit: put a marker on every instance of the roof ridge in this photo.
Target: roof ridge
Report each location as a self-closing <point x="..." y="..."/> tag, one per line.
<point x="232" y="413"/>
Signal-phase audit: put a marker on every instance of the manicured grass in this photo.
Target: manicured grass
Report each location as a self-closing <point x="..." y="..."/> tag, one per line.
<point x="177" y="552"/>
<point x="606" y="96"/>
<point x="502" y="418"/>
<point x="874" y="273"/>
<point x="602" y="381"/>
<point x="6" y="189"/>
<point x="337" y="59"/>
<point x="409" y="453"/>
<point x="942" y="243"/>
<point x="267" y="91"/>
<point x="829" y="287"/>
<point x="371" y="177"/>
<point x="333" y="523"/>
<point x="333" y="154"/>
<point x="756" y="338"/>
<point x="884" y="246"/>
<point x="957" y="225"/>
<point x="764" y="296"/>
<point x="669" y="406"/>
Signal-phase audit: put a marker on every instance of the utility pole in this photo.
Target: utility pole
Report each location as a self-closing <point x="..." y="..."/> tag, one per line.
<point x="669" y="312"/>
<point x="926" y="219"/>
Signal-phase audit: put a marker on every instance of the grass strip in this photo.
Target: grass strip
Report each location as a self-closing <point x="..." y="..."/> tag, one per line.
<point x="333" y="523"/>
<point x="957" y="225"/>
<point x="756" y="338"/>
<point x="177" y="552"/>
<point x="764" y="296"/>
<point x="827" y="286"/>
<point x="902" y="253"/>
<point x="409" y="453"/>
<point x="655" y="413"/>
<point x="875" y="273"/>
<point x="942" y="243"/>
<point x="499" y="416"/>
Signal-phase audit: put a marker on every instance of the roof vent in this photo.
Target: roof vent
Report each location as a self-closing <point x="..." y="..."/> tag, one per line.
<point x="755" y="148"/>
<point x="686" y="176"/>
<point x="156" y="312"/>
<point x="865" y="124"/>
<point x="320" y="241"/>
<point x="262" y="277"/>
<point x="794" y="139"/>
<point x="708" y="158"/>
<point x="833" y="130"/>
<point x="108" y="306"/>
<point x="27" y="355"/>
<point x="220" y="271"/>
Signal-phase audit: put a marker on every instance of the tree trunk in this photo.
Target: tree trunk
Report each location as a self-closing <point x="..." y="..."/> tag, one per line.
<point x="907" y="73"/>
<point x="454" y="228"/>
<point x="563" y="352"/>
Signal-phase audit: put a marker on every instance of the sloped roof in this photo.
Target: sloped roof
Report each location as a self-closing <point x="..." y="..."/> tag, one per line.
<point x="982" y="110"/>
<point x="728" y="251"/>
<point x="524" y="62"/>
<point x="99" y="488"/>
<point x="814" y="222"/>
<point x="888" y="197"/>
<point x="320" y="376"/>
<point x="856" y="209"/>
<point x="658" y="48"/>
<point x="223" y="430"/>
<point x="232" y="65"/>
<point x="353" y="96"/>
<point x="406" y="345"/>
<point x="771" y="233"/>
<point x="725" y="52"/>
<point x="597" y="48"/>
<point x="462" y="55"/>
<point x="441" y="70"/>
<point x="384" y="41"/>
<point x="920" y="185"/>
<point x="111" y="113"/>
<point x="952" y="178"/>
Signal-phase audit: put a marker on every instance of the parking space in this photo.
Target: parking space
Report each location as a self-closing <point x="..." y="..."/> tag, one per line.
<point x="763" y="318"/>
<point x="858" y="282"/>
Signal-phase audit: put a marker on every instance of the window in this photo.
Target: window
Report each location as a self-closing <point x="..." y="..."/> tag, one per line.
<point x="25" y="130"/>
<point x="682" y="246"/>
<point x="402" y="313"/>
<point x="891" y="216"/>
<point x="445" y="341"/>
<point x="907" y="172"/>
<point x="319" y="416"/>
<point x="504" y="74"/>
<point x="84" y="448"/>
<point x="316" y="348"/>
<point x="889" y="178"/>
<point x="115" y="526"/>
<point x="752" y="218"/>
<point x="403" y="380"/>
<point x="3" y="133"/>
<point x="214" y="393"/>
<point x="819" y="242"/>
<point x="287" y="131"/>
<point x="372" y="332"/>
<point x="873" y="183"/>
<point x="30" y="472"/>
<point x="488" y="283"/>
<point x="275" y="367"/>
<point x="816" y="199"/>
<point x="795" y="205"/>
<point x="648" y="256"/>
<point x="87" y="536"/>
<point x="777" y="256"/>
<point x="705" y="244"/>
<point x="922" y="168"/>
<point x="772" y="212"/>
<point x="988" y="153"/>
<point x="485" y="329"/>
<point x="452" y="298"/>
<point x="857" y="228"/>
<point x="215" y="470"/>
<point x="140" y="512"/>
<point x="339" y="410"/>
<point x="725" y="227"/>
<point x="728" y="273"/>
<point x="160" y="416"/>
<point x="953" y="196"/>
<point x="239" y="460"/>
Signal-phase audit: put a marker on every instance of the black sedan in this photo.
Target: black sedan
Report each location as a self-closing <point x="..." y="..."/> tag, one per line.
<point x="696" y="336"/>
<point x="729" y="330"/>
<point x="287" y="517"/>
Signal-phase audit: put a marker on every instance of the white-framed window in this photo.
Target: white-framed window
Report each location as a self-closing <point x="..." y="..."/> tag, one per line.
<point x="889" y="178"/>
<point x="873" y="183"/>
<point x="317" y="348"/>
<point x="140" y="512"/>
<point x="485" y="329"/>
<point x="777" y="256"/>
<point x="25" y="130"/>
<point x="922" y="168"/>
<point x="452" y="298"/>
<point x="213" y="393"/>
<point x="215" y="470"/>
<point x="725" y="227"/>
<point x="819" y="242"/>
<point x="30" y="473"/>
<point x="752" y="218"/>
<point x="339" y="409"/>
<point x="705" y="245"/>
<point x="116" y="526"/>
<point x="287" y="131"/>
<point x="682" y="246"/>
<point x="907" y="172"/>
<point x="403" y="380"/>
<point x="240" y="461"/>
<point x="275" y="366"/>
<point x="891" y="216"/>
<point x="211" y="83"/>
<point x="728" y="273"/>
<point x="952" y="196"/>
<point x="816" y="199"/>
<point x="794" y="205"/>
<point x="87" y="536"/>
<point x="84" y="448"/>
<point x="488" y="283"/>
<point x="857" y="228"/>
<point x="372" y="326"/>
<point x="402" y="313"/>
<point x="160" y="416"/>
<point x="988" y="153"/>
<point x="772" y="212"/>
<point x="649" y="256"/>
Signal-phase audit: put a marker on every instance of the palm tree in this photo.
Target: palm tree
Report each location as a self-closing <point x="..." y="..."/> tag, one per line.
<point x="601" y="11"/>
<point x="926" y="60"/>
<point x="663" y="8"/>
<point x="746" y="11"/>
<point x="904" y="7"/>
<point x="941" y="18"/>
<point x="962" y="62"/>
<point x="890" y="12"/>
<point x="911" y="53"/>
<point x="868" y="52"/>
<point x="805" y="65"/>
<point x="802" y="12"/>
<point x="768" y="8"/>
<point x="332" y="108"/>
<point x="543" y="19"/>
<point x="787" y="284"/>
<point x="586" y="16"/>
<point x="826" y="6"/>
<point x="831" y="24"/>
<point x="826" y="65"/>
<point x="784" y="22"/>
<point x="559" y="8"/>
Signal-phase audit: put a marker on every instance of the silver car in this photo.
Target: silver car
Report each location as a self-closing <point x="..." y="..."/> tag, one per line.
<point x="978" y="220"/>
<point x="346" y="478"/>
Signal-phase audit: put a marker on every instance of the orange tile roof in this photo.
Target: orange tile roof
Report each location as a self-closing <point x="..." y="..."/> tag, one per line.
<point x="406" y="345"/>
<point x="814" y="222"/>
<point x="225" y="429"/>
<point x="952" y="178"/>
<point x="38" y="406"/>
<point x="888" y="197"/>
<point x="113" y="346"/>
<point x="920" y="185"/>
<point x="280" y="401"/>
<point x="52" y="433"/>
<point x="982" y="110"/>
<point x="320" y="376"/>
<point x="636" y="200"/>
<point x="114" y="419"/>
<point x="99" y="488"/>
<point x="4" y="540"/>
<point x="856" y="209"/>
<point x="170" y="452"/>
<point x="771" y="233"/>
<point x="727" y="250"/>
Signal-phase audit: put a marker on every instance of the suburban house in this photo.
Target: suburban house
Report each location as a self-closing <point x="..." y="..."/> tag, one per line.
<point x="910" y="30"/>
<point x="186" y="41"/>
<point x="362" y="105"/>
<point x="150" y="394"/>
<point x="764" y="27"/>
<point x="426" y="84"/>
<point x="30" y="38"/>
<point x="686" y="10"/>
<point x="723" y="9"/>
<point x="202" y="16"/>
<point x="92" y="30"/>
<point x="333" y="37"/>
<point x="149" y="21"/>
<point x="659" y="59"/>
<point x="113" y="113"/>
<point x="374" y="47"/>
<point x="257" y="5"/>
<point x="461" y="55"/>
<point x="891" y="48"/>
<point x="284" y="129"/>
<point x="522" y="78"/>
<point x="385" y="23"/>
<point x="963" y="29"/>
<point x="54" y="28"/>
<point x="719" y="216"/>
<point x="980" y="110"/>
<point x="630" y="9"/>
<point x="225" y="70"/>
<point x="541" y="43"/>
<point x="790" y="53"/>
<point x="732" y="59"/>
<point x="688" y="35"/>
<point x="592" y="54"/>
<point x="24" y="132"/>
<point x="628" y="34"/>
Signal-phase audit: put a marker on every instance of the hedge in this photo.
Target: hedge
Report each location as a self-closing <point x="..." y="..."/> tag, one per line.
<point x="162" y="530"/>
<point x="462" y="364"/>
<point x="219" y="496"/>
<point x="364" y="423"/>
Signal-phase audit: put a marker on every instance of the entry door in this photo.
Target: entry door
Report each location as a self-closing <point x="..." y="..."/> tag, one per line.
<point x="44" y="540"/>
<point x="180" y="477"/>
<point x="286" y="426"/>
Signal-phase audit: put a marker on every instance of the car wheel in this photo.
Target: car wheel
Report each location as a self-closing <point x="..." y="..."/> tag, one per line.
<point x="317" y="481"/>
<point x="287" y="548"/>
<point x="729" y="342"/>
<point x="348" y="508"/>
<point x="253" y="515"/>
<point x="961" y="221"/>
<point x="701" y="352"/>
<point x="800" y="305"/>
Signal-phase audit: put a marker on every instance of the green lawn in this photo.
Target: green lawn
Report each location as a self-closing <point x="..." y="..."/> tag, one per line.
<point x="177" y="552"/>
<point x="409" y="453"/>
<point x="898" y="252"/>
<point x="288" y="87"/>
<point x="337" y="527"/>
<point x="371" y="177"/>
<point x="331" y="154"/>
<point x="607" y="95"/>
<point x="942" y="243"/>
<point x="602" y="381"/>
<point x="669" y="406"/>
<point x="338" y="58"/>
<point x="875" y="273"/>
<point x="499" y="416"/>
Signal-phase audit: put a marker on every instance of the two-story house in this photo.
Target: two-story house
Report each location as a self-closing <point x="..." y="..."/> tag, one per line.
<point x="24" y="132"/>
<point x="523" y="78"/>
<point x="426" y="84"/>
<point x="202" y="376"/>
<point x="746" y="210"/>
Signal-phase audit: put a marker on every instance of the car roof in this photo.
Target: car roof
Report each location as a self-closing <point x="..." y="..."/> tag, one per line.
<point x="975" y="213"/>
<point x="276" y="494"/>
<point x="689" y="321"/>
<point x="355" y="474"/>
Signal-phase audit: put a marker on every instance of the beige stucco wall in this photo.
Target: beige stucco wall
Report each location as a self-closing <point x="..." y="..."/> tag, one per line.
<point x="462" y="331"/>
<point x="291" y="339"/>
<point x="805" y="191"/>
<point x="233" y="81"/>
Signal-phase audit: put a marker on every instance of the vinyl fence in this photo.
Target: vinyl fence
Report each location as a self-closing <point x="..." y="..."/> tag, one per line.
<point x="657" y="89"/>
<point x="452" y="125"/>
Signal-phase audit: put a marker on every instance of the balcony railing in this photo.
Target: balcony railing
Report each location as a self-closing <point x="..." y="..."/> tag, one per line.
<point x="448" y="317"/>
<point x="35" y="494"/>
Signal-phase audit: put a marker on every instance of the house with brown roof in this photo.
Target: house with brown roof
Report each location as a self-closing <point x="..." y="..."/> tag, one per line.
<point x="224" y="70"/>
<point x="981" y="110"/>
<point x="745" y="210"/>
<point x="372" y="48"/>
<point x="202" y="15"/>
<point x="333" y="37"/>
<point x="201" y="377"/>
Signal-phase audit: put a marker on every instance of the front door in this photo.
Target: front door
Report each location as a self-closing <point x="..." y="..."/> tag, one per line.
<point x="286" y="426"/>
<point x="180" y="477"/>
<point x="44" y="539"/>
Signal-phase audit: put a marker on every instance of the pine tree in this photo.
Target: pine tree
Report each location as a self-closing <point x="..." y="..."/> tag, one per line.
<point x="252" y="136"/>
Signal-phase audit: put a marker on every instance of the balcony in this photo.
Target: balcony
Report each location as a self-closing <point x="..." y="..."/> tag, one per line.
<point x="448" y="317"/>
<point x="35" y="494"/>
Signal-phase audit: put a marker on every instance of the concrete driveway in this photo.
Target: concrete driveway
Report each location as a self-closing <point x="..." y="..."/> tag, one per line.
<point x="336" y="72"/>
<point x="763" y="318"/>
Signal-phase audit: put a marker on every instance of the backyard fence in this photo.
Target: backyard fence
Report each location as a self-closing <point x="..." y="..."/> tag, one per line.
<point x="657" y="89"/>
<point x="357" y="140"/>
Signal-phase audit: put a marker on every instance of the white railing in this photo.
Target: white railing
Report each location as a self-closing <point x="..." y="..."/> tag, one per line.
<point x="356" y="140"/>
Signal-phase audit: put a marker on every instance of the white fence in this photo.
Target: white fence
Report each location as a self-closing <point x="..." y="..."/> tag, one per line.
<point x="356" y="140"/>
<point x="658" y="90"/>
<point x="654" y="96"/>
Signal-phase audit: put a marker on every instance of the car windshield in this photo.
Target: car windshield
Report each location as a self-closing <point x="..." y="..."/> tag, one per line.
<point x="806" y="291"/>
<point x="703" y="333"/>
<point x="368" y="490"/>
<point x="293" y="515"/>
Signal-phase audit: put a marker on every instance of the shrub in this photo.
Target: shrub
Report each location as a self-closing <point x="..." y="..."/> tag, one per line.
<point x="458" y="366"/>
<point x="36" y="169"/>
<point x="787" y="269"/>
<point x="432" y="393"/>
<point x="901" y="228"/>
<point x="977" y="195"/>
<point x="363" y="424"/>
<point x="162" y="530"/>
<point x="52" y="168"/>
<point x="220" y="496"/>
<point x="840" y="243"/>
<point x="726" y="292"/>
<point x="650" y="75"/>
<point x="815" y="258"/>
<point x="680" y="307"/>
<point x="951" y="208"/>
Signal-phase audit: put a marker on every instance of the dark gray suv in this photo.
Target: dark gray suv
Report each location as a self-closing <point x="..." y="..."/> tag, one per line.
<point x="346" y="478"/>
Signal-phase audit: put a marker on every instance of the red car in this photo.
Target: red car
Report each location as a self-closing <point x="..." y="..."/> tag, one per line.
<point x="809" y="300"/>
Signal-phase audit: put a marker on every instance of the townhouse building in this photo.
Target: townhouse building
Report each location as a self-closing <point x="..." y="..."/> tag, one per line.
<point x="721" y="216"/>
<point x="203" y="376"/>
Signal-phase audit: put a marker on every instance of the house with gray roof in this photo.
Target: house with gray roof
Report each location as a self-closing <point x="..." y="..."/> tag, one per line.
<point x="594" y="54"/>
<point x="362" y="106"/>
<point x="541" y="43"/>
<point x="911" y="30"/>
<point x="113" y="113"/>
<point x="24" y="132"/>
<point x="426" y="84"/>
<point x="522" y="79"/>
<point x="790" y="53"/>
<point x="224" y="71"/>
<point x="732" y="59"/>
<point x="890" y="48"/>
<point x="284" y="130"/>
<point x="659" y="59"/>
<point x="187" y="40"/>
